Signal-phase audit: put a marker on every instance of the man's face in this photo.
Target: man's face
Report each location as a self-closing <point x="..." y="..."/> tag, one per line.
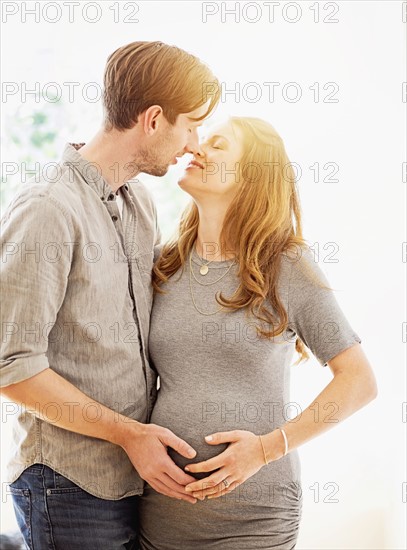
<point x="171" y="141"/>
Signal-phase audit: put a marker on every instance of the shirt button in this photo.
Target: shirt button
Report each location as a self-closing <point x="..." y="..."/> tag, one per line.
<point x="115" y="218"/>
<point x="111" y="197"/>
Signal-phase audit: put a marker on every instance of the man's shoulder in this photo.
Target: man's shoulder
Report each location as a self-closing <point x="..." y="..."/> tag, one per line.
<point x="56" y="189"/>
<point x="141" y="191"/>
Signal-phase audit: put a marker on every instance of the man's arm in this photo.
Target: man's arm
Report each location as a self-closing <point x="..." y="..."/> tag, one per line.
<point x="33" y="291"/>
<point x="140" y="441"/>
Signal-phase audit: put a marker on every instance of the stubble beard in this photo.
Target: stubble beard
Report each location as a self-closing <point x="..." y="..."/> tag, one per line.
<point x="149" y="160"/>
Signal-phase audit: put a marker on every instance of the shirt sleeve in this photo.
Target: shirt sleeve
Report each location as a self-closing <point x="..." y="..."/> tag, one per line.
<point x="314" y="312"/>
<point x="36" y="247"/>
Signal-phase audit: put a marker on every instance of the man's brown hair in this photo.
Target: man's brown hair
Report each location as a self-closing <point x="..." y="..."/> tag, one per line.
<point x="142" y="74"/>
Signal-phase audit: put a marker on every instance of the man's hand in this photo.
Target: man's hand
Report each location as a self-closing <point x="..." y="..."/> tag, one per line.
<point x="147" y="450"/>
<point x="145" y="444"/>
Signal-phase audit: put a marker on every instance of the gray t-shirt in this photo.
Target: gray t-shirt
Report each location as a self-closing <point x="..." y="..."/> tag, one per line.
<point x="216" y="374"/>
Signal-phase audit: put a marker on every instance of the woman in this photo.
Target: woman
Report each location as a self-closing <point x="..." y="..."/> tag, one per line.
<point x="224" y="328"/>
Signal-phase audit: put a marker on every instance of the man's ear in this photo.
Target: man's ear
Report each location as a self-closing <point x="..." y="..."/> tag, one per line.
<point x="151" y="119"/>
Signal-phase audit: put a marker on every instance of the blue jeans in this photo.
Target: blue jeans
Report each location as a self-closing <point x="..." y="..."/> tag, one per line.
<point x="54" y="513"/>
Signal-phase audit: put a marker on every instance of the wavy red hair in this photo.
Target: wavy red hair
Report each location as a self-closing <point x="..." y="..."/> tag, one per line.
<point x="262" y="225"/>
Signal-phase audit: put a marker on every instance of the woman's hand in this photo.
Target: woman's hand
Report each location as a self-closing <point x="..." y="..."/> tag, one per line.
<point x="241" y="460"/>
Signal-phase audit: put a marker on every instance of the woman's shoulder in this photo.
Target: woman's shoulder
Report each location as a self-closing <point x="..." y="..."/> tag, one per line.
<point x="157" y="251"/>
<point x="299" y="261"/>
<point x="299" y="272"/>
<point x="294" y="258"/>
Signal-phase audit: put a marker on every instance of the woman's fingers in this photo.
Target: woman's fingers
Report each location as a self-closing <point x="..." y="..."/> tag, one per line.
<point x="162" y="488"/>
<point x="224" y="491"/>
<point x="219" y="460"/>
<point x="208" y="484"/>
<point x="210" y="464"/>
<point x="223" y="437"/>
<point x="242" y="459"/>
<point x="173" y="486"/>
<point x="218" y="491"/>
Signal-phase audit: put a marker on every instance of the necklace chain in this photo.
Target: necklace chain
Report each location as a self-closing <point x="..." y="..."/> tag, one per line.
<point x="204" y="269"/>
<point x="213" y="282"/>
<point x="206" y="284"/>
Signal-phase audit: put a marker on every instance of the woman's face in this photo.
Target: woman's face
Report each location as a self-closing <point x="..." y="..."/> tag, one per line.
<point x="215" y="170"/>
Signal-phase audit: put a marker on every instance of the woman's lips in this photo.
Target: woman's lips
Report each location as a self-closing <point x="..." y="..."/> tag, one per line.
<point x="194" y="164"/>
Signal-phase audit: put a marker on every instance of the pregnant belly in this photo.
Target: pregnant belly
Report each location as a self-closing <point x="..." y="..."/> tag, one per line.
<point x="192" y="417"/>
<point x="187" y="421"/>
<point x="278" y="484"/>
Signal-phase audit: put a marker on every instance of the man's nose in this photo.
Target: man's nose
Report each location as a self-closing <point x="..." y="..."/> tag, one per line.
<point x="193" y="145"/>
<point x="196" y="151"/>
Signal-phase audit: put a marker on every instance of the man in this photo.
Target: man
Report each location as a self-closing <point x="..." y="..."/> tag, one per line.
<point x="76" y="299"/>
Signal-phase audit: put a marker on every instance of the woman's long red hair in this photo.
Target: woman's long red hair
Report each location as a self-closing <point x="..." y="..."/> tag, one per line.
<point x="261" y="225"/>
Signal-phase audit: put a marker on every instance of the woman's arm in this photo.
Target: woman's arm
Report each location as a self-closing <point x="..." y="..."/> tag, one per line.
<point x="353" y="386"/>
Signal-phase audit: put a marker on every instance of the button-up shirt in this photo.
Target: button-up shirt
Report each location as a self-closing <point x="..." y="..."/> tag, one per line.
<point x="76" y="297"/>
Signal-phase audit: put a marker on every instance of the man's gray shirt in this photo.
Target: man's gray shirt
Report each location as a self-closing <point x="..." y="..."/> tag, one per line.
<point x="76" y="297"/>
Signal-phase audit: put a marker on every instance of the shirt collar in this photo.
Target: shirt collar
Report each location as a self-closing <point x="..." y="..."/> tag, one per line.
<point x="89" y="171"/>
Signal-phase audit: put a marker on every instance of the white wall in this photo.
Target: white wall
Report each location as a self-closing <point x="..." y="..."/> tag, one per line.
<point x="363" y="133"/>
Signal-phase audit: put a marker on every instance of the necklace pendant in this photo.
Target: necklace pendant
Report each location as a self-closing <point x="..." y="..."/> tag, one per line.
<point x="203" y="270"/>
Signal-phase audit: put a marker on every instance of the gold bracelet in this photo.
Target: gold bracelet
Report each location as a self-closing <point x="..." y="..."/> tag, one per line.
<point x="264" y="452"/>
<point x="285" y="440"/>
